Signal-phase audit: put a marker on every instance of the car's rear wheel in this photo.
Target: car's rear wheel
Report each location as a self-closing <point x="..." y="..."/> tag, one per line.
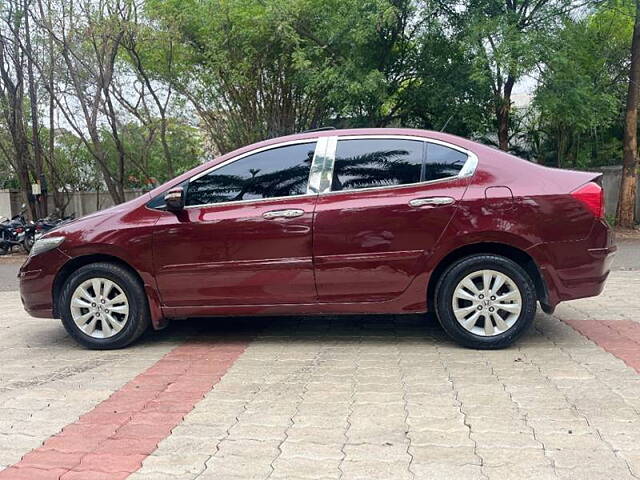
<point x="103" y="306"/>
<point x="485" y="301"/>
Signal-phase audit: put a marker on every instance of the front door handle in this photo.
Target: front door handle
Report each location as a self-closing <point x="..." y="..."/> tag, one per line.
<point x="288" y="213"/>
<point x="433" y="201"/>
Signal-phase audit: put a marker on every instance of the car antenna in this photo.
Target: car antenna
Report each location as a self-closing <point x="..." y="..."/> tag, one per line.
<point x="446" y="123"/>
<point x="320" y="129"/>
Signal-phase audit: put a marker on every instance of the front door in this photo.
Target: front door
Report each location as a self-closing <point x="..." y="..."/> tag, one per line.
<point x="389" y="202"/>
<point x="245" y="236"/>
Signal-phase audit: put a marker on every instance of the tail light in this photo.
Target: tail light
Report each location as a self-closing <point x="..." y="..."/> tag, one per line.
<point x="19" y="230"/>
<point x="592" y="195"/>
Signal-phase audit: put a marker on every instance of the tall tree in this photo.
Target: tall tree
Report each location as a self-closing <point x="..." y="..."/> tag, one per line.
<point x="12" y="94"/>
<point x="625" y="214"/>
<point x="150" y="54"/>
<point x="363" y="54"/>
<point x="57" y="187"/>
<point x="581" y="90"/>
<point x="88" y="36"/>
<point x="256" y="69"/>
<point x="36" y="145"/>
<point x="238" y="65"/>
<point x="508" y="39"/>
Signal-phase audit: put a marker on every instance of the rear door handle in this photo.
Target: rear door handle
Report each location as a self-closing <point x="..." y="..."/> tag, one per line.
<point x="433" y="201"/>
<point x="288" y="213"/>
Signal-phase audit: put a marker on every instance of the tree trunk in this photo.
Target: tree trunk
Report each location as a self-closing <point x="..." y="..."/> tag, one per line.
<point x="60" y="204"/>
<point x="625" y="216"/>
<point x="561" y="147"/>
<point x="165" y="145"/>
<point x="503" y="111"/>
<point x="35" y="121"/>
<point x="12" y="99"/>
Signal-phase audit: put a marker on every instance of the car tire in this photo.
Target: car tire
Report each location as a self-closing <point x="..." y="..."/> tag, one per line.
<point x="485" y="319"/>
<point x="104" y="329"/>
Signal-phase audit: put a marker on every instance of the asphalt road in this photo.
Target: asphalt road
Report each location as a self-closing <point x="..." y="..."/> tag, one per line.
<point x="628" y="258"/>
<point x="8" y="272"/>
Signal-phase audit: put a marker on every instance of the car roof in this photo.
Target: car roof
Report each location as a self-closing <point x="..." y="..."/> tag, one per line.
<point x="414" y="132"/>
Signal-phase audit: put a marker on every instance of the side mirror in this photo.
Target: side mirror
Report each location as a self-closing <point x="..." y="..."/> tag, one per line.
<point x="174" y="199"/>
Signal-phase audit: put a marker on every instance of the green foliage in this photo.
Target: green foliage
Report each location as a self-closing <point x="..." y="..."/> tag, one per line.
<point x="146" y="166"/>
<point x="7" y="175"/>
<point x="582" y="88"/>
<point x="447" y="94"/>
<point x="240" y="66"/>
<point x="258" y="69"/>
<point x="253" y="69"/>
<point x="74" y="165"/>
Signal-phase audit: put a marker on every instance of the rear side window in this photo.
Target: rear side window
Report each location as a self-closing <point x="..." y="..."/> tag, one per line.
<point x="277" y="172"/>
<point x="366" y="163"/>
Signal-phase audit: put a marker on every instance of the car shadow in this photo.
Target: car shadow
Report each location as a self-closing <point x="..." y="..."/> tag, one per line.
<point x="303" y="329"/>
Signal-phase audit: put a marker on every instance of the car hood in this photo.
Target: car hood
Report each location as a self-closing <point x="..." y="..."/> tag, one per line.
<point x="91" y="220"/>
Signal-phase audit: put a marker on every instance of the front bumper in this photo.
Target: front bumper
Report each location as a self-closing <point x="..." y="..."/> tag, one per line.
<point x="36" y="276"/>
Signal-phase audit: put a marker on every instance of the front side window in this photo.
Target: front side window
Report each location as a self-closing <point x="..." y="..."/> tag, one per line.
<point x="277" y="172"/>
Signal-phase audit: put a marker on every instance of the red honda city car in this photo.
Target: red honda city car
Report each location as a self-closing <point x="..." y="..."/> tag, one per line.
<point x="332" y="222"/>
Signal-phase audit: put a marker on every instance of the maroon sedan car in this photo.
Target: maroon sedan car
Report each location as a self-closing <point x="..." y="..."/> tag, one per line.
<point x="332" y="222"/>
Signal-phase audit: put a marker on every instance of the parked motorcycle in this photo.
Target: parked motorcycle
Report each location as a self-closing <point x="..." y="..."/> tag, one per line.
<point x="20" y="232"/>
<point x="30" y="232"/>
<point x="13" y="232"/>
<point x="34" y="230"/>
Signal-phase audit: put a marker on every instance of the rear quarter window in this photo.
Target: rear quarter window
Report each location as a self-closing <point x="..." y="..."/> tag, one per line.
<point x="442" y="162"/>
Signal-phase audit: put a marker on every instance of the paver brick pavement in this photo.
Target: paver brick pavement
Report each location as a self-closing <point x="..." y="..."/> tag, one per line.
<point x="337" y="397"/>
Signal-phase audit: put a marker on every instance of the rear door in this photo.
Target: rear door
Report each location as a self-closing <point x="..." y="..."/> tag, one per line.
<point x="385" y="204"/>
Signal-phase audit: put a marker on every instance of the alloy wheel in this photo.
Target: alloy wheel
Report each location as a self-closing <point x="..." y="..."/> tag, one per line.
<point x="487" y="303"/>
<point x="99" y="307"/>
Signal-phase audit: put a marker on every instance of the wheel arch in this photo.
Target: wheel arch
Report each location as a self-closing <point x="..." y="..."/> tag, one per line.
<point x="77" y="262"/>
<point x="516" y="254"/>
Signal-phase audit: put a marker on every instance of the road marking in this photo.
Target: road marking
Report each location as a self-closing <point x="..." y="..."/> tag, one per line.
<point x="112" y="440"/>
<point x="620" y="338"/>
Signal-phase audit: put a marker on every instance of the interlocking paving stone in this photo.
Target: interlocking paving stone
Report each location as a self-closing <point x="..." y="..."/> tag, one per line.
<point x="337" y="397"/>
<point x="120" y="432"/>
<point x="618" y="337"/>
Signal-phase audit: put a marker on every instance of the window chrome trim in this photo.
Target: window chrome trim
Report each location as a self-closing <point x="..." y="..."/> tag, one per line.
<point x="467" y="170"/>
<point x="251" y="152"/>
<point x="317" y="166"/>
<point x="327" y="171"/>
<point x="248" y="200"/>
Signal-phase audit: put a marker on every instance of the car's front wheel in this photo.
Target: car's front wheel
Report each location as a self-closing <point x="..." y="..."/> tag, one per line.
<point x="485" y="301"/>
<point x="103" y="306"/>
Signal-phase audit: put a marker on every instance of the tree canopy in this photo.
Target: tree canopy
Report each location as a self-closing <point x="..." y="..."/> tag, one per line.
<point x="118" y="94"/>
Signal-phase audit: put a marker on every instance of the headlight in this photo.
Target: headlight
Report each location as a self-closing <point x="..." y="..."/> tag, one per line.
<point x="45" y="244"/>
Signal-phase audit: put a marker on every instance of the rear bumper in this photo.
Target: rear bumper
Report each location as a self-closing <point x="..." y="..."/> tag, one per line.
<point x="576" y="269"/>
<point x="36" y="278"/>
